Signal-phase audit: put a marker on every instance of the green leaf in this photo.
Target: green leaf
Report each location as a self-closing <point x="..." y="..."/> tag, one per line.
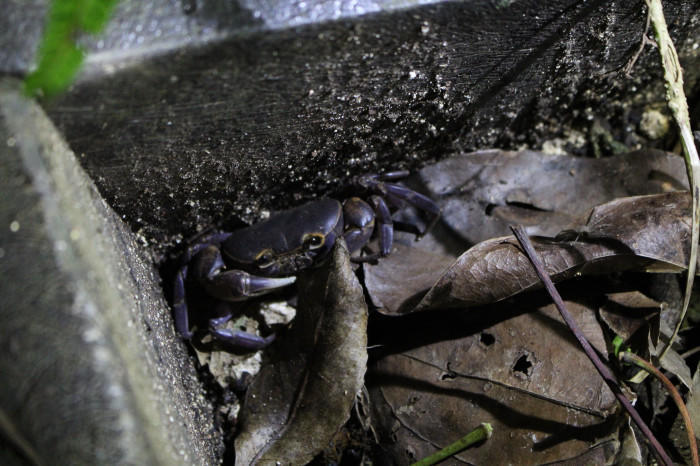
<point x="59" y="55"/>
<point x="617" y="343"/>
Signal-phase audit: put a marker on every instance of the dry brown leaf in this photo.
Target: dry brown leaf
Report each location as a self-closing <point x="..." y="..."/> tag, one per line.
<point x="399" y="281"/>
<point x="625" y="313"/>
<point x="641" y="233"/>
<point x="525" y="375"/>
<point x="483" y="193"/>
<point x="693" y="401"/>
<point x="303" y="397"/>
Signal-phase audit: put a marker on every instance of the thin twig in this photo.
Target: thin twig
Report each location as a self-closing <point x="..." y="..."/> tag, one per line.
<point x="642" y="43"/>
<point x="690" y="352"/>
<point x="602" y="369"/>
<point x="632" y="358"/>
<point x="673" y="78"/>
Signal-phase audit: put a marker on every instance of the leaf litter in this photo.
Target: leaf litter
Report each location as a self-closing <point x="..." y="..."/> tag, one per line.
<point x="524" y="375"/>
<point x="645" y="232"/>
<point x="519" y="369"/>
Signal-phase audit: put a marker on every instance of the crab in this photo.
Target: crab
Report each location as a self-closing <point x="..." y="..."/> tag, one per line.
<point x="264" y="257"/>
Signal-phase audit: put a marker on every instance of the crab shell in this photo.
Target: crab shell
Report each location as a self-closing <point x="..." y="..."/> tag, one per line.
<point x="287" y="242"/>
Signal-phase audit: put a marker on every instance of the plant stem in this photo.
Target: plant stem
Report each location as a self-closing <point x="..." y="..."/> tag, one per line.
<point x="677" y="103"/>
<point x="483" y="432"/>
<point x="602" y="369"/>
<point x="629" y="357"/>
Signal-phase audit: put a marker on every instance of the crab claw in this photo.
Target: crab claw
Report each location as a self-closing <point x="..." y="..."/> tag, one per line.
<point x="237" y="285"/>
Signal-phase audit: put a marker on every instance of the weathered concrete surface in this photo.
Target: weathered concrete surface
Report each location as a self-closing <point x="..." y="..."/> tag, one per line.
<point x="147" y="28"/>
<point x="191" y="113"/>
<point x="91" y="369"/>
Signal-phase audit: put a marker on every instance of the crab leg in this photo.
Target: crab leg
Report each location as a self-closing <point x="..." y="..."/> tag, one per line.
<point x="213" y="239"/>
<point x="396" y="194"/>
<point x="395" y="175"/>
<point x="237" y="338"/>
<point x="231" y="285"/>
<point x="182" y="319"/>
<point x="359" y="216"/>
<point x="385" y="225"/>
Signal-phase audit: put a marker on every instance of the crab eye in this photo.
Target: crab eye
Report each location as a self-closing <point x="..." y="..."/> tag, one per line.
<point x="265" y="259"/>
<point x="313" y="241"/>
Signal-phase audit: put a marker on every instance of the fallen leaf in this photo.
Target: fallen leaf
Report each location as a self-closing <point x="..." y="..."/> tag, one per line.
<point x="630" y="451"/>
<point x="399" y="281"/>
<point x="693" y="401"/>
<point x="641" y="233"/>
<point x="625" y="313"/>
<point x="483" y="193"/>
<point x="526" y="375"/>
<point x="675" y="364"/>
<point x="300" y="400"/>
